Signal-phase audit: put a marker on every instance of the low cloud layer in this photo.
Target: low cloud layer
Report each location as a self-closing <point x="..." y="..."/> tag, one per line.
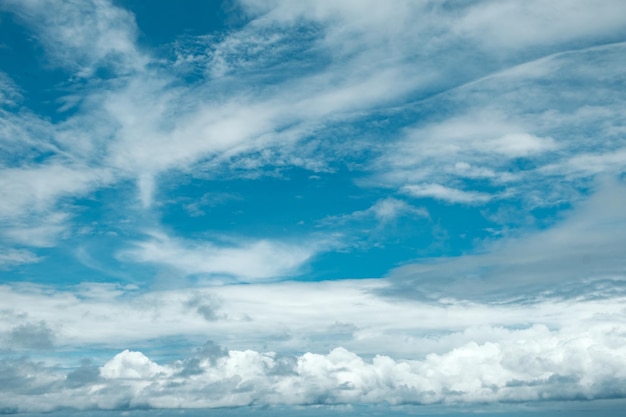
<point x="529" y="365"/>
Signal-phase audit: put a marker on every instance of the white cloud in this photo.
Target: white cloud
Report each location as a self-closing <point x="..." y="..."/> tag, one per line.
<point x="441" y="192"/>
<point x="130" y="365"/>
<point x="521" y="144"/>
<point x="516" y="136"/>
<point x="146" y="124"/>
<point x="586" y="164"/>
<point x="477" y="16"/>
<point x="102" y="291"/>
<point x="536" y="364"/>
<point x="38" y="188"/>
<point x="9" y="93"/>
<point x="299" y="316"/>
<point x="247" y="261"/>
<point x="10" y="257"/>
<point x="24" y="137"/>
<point x="83" y="35"/>
<point x="512" y="25"/>
<point x="442" y="351"/>
<point x="572" y="258"/>
<point x="43" y="234"/>
<point x="483" y="140"/>
<point x="384" y="211"/>
<point x="390" y="208"/>
<point x="30" y="213"/>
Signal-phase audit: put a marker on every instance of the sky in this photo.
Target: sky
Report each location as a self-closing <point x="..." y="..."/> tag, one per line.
<point x="312" y="207"/>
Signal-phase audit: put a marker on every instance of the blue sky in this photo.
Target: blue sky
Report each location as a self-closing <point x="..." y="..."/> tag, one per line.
<point x="318" y="207"/>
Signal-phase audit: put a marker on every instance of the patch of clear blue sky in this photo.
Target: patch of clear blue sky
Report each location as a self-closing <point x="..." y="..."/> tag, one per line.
<point x="163" y="21"/>
<point x="23" y="59"/>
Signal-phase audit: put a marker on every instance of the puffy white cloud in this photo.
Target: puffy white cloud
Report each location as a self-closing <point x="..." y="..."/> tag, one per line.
<point x="479" y="136"/>
<point x="536" y="364"/>
<point x="42" y="234"/>
<point x="130" y="365"/>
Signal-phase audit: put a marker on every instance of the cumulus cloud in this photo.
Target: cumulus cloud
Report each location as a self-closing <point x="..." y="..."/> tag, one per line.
<point x="130" y="365"/>
<point x="538" y="363"/>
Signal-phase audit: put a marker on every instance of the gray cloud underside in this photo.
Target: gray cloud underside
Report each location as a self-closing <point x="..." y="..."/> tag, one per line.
<point x="452" y="352"/>
<point x="542" y="365"/>
<point x="582" y="256"/>
<point x="283" y="317"/>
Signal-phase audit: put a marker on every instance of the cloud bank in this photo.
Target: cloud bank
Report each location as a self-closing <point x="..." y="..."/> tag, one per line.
<point x="536" y="364"/>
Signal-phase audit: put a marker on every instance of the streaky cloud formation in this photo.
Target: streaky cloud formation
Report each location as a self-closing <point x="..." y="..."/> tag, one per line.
<point x="581" y="255"/>
<point x="250" y="260"/>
